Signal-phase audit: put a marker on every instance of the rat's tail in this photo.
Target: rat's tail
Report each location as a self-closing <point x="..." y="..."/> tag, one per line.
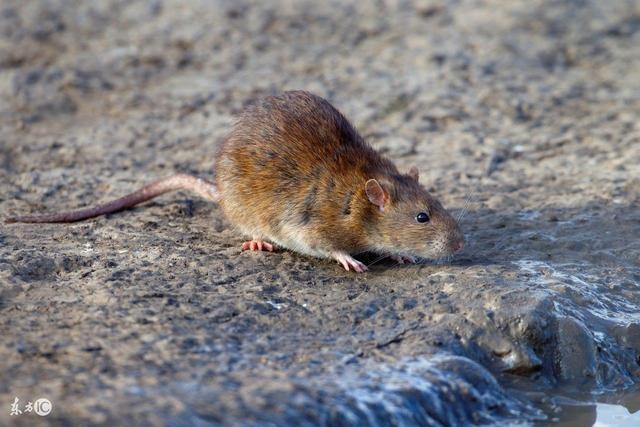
<point x="199" y="186"/>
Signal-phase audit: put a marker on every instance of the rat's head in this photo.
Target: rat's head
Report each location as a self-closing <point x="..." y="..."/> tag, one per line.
<point x="408" y="220"/>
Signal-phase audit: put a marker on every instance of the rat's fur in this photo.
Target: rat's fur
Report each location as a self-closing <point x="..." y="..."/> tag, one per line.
<point x="294" y="171"/>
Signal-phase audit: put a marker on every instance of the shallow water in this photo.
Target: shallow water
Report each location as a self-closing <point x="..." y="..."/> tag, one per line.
<point x="616" y="410"/>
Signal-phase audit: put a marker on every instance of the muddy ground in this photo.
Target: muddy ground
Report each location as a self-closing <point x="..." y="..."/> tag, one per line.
<point x="524" y="113"/>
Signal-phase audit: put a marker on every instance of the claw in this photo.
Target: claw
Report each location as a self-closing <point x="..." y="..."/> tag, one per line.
<point x="403" y="259"/>
<point x="257" y="245"/>
<point x="347" y="261"/>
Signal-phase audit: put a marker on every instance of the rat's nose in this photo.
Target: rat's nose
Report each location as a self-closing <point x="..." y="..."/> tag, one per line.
<point x="458" y="245"/>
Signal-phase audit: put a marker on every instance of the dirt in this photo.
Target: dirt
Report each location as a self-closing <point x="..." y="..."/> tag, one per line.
<point x="522" y="117"/>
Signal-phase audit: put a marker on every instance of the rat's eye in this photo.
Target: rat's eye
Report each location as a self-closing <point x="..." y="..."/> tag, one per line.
<point x="422" y="217"/>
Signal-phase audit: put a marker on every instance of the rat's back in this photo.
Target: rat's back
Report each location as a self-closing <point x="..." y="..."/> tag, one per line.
<point x="288" y="168"/>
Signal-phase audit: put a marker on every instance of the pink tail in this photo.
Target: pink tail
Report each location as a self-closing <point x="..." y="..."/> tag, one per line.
<point x="199" y="186"/>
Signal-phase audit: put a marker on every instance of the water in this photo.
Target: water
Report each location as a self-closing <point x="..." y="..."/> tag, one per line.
<point x="617" y="410"/>
<point x="615" y="416"/>
<point x="606" y="301"/>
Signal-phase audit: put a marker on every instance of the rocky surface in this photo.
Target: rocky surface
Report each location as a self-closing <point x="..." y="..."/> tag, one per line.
<point x="521" y="116"/>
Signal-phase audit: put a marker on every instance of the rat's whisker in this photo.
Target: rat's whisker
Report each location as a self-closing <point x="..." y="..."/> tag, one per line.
<point x="465" y="208"/>
<point x="380" y="258"/>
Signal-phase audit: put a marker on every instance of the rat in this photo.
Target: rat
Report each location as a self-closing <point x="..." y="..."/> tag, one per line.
<point x="294" y="173"/>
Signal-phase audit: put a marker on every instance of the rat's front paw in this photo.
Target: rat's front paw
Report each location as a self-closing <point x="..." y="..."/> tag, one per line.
<point x="403" y="259"/>
<point x="348" y="262"/>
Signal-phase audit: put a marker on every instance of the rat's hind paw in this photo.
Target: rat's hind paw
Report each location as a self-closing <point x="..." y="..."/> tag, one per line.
<point x="257" y="245"/>
<point x="348" y="261"/>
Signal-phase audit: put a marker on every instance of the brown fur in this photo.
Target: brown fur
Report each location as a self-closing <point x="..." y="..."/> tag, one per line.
<point x="295" y="161"/>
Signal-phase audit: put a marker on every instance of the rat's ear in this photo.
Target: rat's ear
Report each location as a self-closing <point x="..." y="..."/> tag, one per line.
<point x="376" y="194"/>
<point x="413" y="173"/>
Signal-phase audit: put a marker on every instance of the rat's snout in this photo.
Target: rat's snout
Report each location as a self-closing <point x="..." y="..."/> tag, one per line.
<point x="456" y="240"/>
<point x="457" y="244"/>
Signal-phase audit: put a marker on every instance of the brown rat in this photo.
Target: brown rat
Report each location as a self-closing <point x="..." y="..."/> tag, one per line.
<point x="295" y="173"/>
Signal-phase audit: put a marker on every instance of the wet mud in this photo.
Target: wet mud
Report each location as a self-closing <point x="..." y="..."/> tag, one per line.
<point x="522" y="117"/>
